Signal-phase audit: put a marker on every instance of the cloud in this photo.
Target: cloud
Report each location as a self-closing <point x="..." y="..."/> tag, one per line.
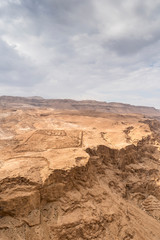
<point x="102" y="49"/>
<point x="14" y="69"/>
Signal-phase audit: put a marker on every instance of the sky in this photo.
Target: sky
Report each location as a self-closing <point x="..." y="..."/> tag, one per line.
<point x="106" y="50"/>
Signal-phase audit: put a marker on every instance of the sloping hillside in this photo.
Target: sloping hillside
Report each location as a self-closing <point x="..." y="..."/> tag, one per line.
<point x="88" y="105"/>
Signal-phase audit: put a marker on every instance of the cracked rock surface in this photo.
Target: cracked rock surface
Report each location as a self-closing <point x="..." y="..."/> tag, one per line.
<point x="72" y="175"/>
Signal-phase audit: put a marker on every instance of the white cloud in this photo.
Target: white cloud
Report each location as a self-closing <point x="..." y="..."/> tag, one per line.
<point x="81" y="49"/>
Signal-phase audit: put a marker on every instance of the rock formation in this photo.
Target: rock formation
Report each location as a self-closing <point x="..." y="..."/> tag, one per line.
<point x="78" y="175"/>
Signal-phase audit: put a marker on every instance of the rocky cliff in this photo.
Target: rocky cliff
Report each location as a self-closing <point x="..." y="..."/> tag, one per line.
<point x="73" y="175"/>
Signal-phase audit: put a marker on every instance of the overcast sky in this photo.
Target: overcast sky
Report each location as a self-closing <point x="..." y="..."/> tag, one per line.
<point x="105" y="50"/>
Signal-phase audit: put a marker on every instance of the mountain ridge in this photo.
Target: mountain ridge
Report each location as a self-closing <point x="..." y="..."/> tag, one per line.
<point x="70" y="104"/>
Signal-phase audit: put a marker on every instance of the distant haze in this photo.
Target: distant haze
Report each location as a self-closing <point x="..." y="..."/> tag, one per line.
<point x="106" y="50"/>
<point x="94" y="107"/>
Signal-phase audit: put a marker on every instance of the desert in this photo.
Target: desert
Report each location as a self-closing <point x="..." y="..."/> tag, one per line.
<point x="78" y="174"/>
<point x="79" y="120"/>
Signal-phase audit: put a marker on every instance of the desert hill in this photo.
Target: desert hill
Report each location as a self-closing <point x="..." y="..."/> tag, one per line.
<point x="88" y="105"/>
<point x="78" y="173"/>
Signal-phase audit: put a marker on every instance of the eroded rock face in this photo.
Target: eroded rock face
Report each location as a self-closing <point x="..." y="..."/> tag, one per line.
<point x="64" y="175"/>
